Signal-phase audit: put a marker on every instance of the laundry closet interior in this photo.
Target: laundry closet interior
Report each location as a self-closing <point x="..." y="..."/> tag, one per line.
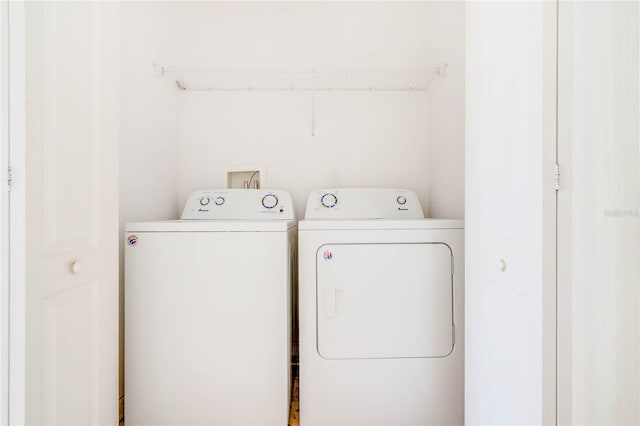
<point x="315" y="95"/>
<point x="517" y="121"/>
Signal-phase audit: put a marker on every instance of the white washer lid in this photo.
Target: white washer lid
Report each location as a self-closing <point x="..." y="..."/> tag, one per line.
<point x="211" y="226"/>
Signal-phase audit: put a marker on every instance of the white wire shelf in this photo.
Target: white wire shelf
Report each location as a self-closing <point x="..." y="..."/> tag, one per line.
<point x="213" y="79"/>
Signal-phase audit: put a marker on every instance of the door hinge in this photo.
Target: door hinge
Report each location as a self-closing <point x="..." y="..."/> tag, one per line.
<point x="556" y="176"/>
<point x="452" y="266"/>
<point x="9" y="177"/>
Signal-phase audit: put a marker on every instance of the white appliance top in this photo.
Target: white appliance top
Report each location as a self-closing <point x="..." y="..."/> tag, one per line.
<point x="372" y="224"/>
<point x="234" y="204"/>
<point x="211" y="226"/>
<point x="363" y="203"/>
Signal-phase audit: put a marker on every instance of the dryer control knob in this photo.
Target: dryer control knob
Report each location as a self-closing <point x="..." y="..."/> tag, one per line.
<point x="329" y="200"/>
<point x="219" y="201"/>
<point x="401" y="200"/>
<point x="269" y="201"/>
<point x="204" y="201"/>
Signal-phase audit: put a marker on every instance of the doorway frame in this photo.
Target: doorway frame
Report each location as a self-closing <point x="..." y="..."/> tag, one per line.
<point x="12" y="214"/>
<point x="4" y="214"/>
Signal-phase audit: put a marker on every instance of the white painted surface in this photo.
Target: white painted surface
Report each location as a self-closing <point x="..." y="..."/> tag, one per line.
<point x="599" y="240"/>
<point x="368" y="224"/>
<point x="208" y="324"/>
<point x="17" y="212"/>
<point x="4" y="214"/>
<point x="148" y="115"/>
<point x="362" y="139"/>
<point x="368" y="389"/>
<point x="71" y="213"/>
<point x="446" y="154"/>
<point x="510" y="106"/>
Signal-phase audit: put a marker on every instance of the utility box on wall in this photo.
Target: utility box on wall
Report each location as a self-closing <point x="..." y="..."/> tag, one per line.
<point x="246" y="177"/>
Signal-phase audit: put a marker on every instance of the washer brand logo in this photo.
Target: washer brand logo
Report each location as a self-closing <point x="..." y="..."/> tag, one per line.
<point x="132" y="240"/>
<point x="328" y="255"/>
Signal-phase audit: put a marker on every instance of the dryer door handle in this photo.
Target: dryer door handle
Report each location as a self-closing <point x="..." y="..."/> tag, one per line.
<point x="330" y="302"/>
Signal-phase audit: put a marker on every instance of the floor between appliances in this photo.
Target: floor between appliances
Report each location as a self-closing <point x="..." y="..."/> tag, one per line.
<point x="294" y="414"/>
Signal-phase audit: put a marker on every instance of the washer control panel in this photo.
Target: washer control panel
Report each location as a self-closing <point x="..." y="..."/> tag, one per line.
<point x="363" y="203"/>
<point x="246" y="204"/>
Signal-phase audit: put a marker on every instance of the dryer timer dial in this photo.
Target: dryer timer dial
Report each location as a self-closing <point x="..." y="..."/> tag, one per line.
<point x="329" y="200"/>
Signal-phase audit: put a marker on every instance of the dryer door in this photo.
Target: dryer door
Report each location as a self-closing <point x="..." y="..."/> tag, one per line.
<point x="384" y="300"/>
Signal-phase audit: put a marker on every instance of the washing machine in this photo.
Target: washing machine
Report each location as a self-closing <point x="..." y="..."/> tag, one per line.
<point x="208" y="312"/>
<point x="381" y="311"/>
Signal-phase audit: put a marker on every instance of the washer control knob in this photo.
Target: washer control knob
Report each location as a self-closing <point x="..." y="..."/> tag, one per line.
<point x="204" y="201"/>
<point x="219" y="201"/>
<point x="401" y="200"/>
<point x="269" y="201"/>
<point x="329" y="200"/>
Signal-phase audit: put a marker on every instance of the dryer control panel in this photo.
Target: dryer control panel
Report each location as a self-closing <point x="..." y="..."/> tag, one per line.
<point x="363" y="203"/>
<point x="245" y="204"/>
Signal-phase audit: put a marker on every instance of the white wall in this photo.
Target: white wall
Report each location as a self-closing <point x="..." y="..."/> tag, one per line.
<point x="390" y="139"/>
<point x="148" y="114"/>
<point x="446" y="154"/>
<point x="510" y="214"/>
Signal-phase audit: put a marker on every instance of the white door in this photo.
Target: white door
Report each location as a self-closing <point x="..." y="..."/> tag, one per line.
<point x="384" y="300"/>
<point x="599" y="213"/>
<point x="71" y="213"/>
<point x="510" y="213"/>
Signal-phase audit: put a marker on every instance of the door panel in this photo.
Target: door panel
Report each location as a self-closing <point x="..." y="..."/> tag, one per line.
<point x="72" y="213"/>
<point x="510" y="213"/>
<point x="70" y="129"/>
<point x="384" y="300"/>
<point x="598" y="213"/>
<point x="69" y="322"/>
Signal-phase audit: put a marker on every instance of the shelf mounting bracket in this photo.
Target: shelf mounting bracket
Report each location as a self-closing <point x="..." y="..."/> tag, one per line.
<point x="158" y="70"/>
<point x="441" y="71"/>
<point x="313" y="113"/>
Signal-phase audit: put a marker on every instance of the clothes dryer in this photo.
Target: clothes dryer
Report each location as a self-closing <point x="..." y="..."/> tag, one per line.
<point x="208" y="312"/>
<point x="381" y="311"/>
